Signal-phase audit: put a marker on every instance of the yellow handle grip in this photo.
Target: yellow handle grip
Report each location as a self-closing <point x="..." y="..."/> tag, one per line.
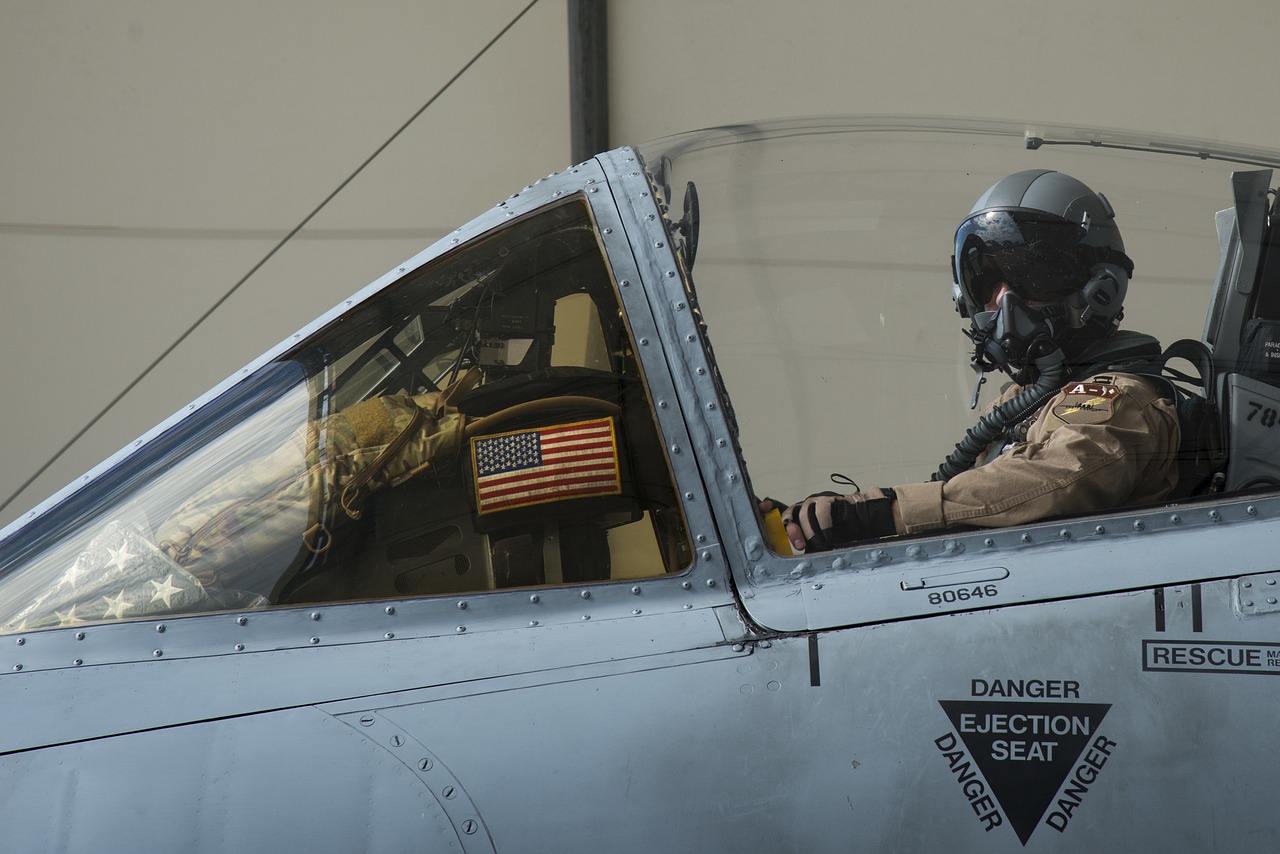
<point x="776" y="533"/>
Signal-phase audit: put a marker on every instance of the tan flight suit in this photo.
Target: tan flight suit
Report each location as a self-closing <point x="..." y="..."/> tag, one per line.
<point x="1105" y="442"/>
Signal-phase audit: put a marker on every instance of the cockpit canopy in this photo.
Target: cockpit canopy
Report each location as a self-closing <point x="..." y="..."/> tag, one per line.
<point x="484" y="418"/>
<point x="480" y="424"/>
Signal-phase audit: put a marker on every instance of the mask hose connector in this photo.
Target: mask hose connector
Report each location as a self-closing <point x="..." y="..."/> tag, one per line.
<point x="1051" y="370"/>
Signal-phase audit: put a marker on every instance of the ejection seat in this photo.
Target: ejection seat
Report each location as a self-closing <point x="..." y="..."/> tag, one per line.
<point x="1242" y="332"/>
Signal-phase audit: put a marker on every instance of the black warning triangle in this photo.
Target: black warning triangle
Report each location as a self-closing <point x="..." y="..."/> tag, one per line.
<point x="1024" y="750"/>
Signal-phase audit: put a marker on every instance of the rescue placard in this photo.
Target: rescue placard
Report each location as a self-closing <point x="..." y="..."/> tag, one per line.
<point x="1205" y="656"/>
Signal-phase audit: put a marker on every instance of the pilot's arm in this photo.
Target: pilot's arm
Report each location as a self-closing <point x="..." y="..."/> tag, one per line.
<point x="1105" y="442"/>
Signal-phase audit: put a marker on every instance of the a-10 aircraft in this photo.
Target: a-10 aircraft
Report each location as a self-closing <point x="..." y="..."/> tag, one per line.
<point x="475" y="562"/>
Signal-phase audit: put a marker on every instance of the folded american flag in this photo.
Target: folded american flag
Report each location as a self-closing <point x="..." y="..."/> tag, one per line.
<point x="544" y="464"/>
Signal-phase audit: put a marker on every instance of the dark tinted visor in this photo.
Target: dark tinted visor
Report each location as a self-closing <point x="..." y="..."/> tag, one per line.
<point x="1037" y="256"/>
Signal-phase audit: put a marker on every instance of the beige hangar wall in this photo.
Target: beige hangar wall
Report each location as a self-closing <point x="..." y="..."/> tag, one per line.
<point x="153" y="152"/>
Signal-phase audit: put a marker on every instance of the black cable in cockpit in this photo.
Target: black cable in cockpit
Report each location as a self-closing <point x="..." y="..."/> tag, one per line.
<point x="468" y="350"/>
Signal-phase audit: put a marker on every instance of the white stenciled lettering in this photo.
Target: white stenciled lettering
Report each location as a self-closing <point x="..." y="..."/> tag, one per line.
<point x="1022" y="751"/>
<point x="1024" y="724"/>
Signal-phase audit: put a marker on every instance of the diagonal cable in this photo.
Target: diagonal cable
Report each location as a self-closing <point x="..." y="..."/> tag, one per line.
<point x="258" y="266"/>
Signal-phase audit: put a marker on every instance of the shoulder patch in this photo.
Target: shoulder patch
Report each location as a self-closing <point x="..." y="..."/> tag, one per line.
<point x="1095" y="389"/>
<point x="1086" y="403"/>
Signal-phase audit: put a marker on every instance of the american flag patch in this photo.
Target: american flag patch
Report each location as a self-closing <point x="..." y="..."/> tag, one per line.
<point x="545" y="464"/>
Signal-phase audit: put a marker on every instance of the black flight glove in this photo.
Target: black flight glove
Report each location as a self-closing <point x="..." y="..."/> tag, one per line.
<point x="829" y="520"/>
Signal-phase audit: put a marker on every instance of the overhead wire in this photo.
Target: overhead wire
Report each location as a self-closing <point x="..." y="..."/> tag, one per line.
<point x="270" y="254"/>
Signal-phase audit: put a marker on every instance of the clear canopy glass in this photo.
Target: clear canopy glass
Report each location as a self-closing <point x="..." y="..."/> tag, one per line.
<point x="823" y="270"/>
<point x="480" y="424"/>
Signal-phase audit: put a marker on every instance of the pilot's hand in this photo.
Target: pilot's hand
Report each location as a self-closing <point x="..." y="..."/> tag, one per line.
<point x="828" y="520"/>
<point x="768" y="505"/>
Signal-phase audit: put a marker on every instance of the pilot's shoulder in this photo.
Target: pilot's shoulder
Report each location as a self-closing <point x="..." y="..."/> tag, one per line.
<point x="1097" y="398"/>
<point x="1138" y="388"/>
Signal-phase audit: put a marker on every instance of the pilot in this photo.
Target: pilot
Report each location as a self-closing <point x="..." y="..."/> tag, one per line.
<point x="1040" y="272"/>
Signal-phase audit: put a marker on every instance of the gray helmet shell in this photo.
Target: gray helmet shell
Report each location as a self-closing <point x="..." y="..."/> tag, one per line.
<point x="1046" y="191"/>
<point x="1087" y="284"/>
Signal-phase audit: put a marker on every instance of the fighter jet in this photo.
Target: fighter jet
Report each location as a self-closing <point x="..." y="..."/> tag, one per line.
<point x="477" y="560"/>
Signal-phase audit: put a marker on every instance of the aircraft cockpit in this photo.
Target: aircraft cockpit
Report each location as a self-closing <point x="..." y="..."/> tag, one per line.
<point x="505" y="501"/>
<point x="484" y="418"/>
<point x="824" y="288"/>
<point x="481" y="424"/>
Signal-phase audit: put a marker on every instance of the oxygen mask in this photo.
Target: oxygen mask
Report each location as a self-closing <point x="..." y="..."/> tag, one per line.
<point x="1013" y="336"/>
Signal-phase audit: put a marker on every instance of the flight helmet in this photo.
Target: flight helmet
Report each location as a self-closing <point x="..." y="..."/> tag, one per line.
<point x="1055" y="243"/>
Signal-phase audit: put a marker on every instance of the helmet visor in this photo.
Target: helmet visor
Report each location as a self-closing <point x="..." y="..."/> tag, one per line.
<point x="1037" y="256"/>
